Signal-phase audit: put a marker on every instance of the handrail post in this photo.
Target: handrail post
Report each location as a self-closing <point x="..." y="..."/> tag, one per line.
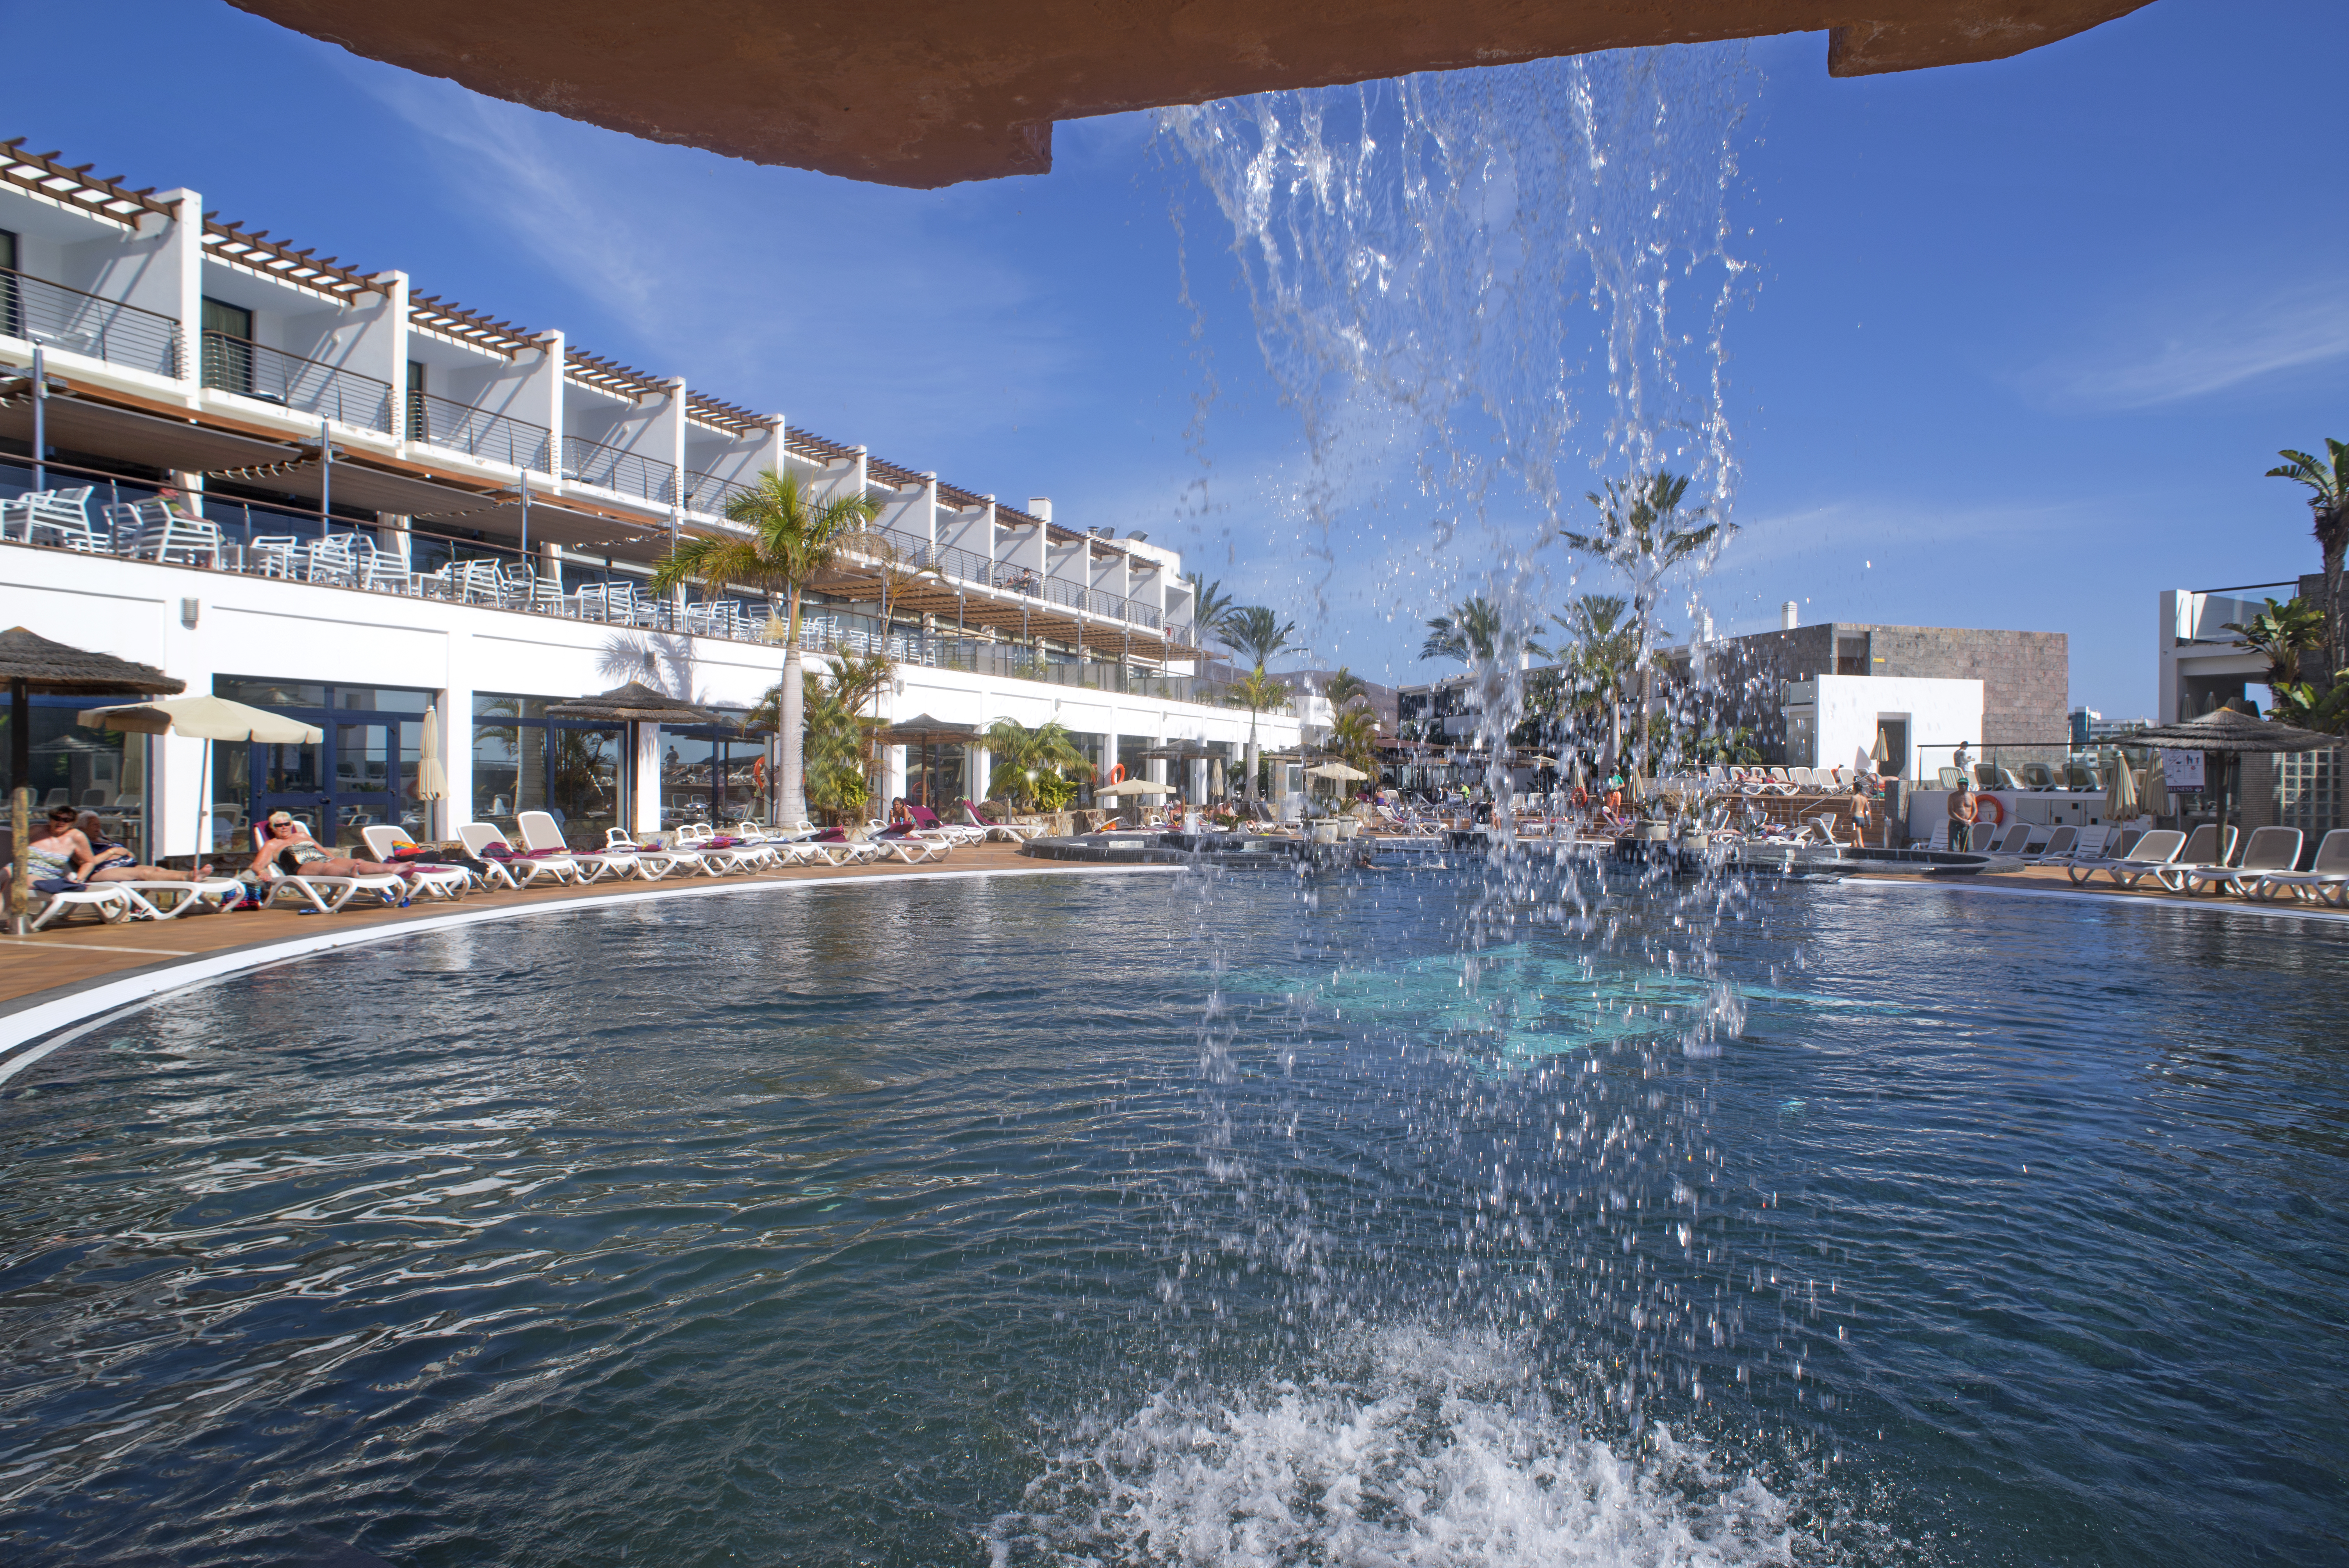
<point x="40" y="424"/>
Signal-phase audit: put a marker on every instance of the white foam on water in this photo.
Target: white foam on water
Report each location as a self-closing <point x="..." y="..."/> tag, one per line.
<point x="1411" y="1448"/>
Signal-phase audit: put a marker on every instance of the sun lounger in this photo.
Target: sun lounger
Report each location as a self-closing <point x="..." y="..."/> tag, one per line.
<point x="540" y="835"/>
<point x="324" y="893"/>
<point x="112" y="902"/>
<point x="719" y="857"/>
<point x="2149" y="854"/>
<point x="1011" y="831"/>
<point x="957" y="833"/>
<point x="2270" y="850"/>
<point x="909" y="845"/>
<point x="2206" y="851"/>
<point x="387" y="841"/>
<point x="2327" y="881"/>
<point x="520" y="871"/>
<point x="170" y="900"/>
<point x="2057" y="848"/>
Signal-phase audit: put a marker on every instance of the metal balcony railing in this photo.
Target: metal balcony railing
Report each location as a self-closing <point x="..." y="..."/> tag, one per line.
<point x="272" y="376"/>
<point x="611" y="468"/>
<point x="57" y="316"/>
<point x="708" y="494"/>
<point x="495" y="438"/>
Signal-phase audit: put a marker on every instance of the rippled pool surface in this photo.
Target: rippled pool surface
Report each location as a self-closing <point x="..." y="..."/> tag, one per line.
<point x="1163" y="1220"/>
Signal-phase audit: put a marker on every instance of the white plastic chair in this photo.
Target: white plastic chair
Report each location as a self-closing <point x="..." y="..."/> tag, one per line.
<point x="112" y="901"/>
<point x="520" y="871"/>
<point x="385" y="839"/>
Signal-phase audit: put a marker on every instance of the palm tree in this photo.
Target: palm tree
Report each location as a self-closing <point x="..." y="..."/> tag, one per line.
<point x="1470" y="632"/>
<point x="1255" y="630"/>
<point x="1354" y="736"/>
<point x="1210" y="605"/>
<point x="1257" y="691"/>
<point x="1022" y="756"/>
<point x="2328" y="483"/>
<point x="2282" y="633"/>
<point x="1602" y="647"/>
<point x="1346" y="688"/>
<point x="1639" y="536"/>
<point x="792" y="537"/>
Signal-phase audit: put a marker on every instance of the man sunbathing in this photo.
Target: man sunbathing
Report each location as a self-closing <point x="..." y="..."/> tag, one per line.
<point x="111" y="862"/>
<point x="291" y="848"/>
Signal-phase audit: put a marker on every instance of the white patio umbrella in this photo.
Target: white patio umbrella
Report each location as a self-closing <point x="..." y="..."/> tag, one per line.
<point x="1335" y="770"/>
<point x="431" y="778"/>
<point x="2120" y="791"/>
<point x="205" y="718"/>
<point x="1135" y="787"/>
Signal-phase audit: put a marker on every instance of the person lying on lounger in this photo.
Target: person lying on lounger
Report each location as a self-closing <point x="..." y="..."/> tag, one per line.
<point x="62" y="851"/>
<point x="291" y="848"/>
<point x="111" y="862"/>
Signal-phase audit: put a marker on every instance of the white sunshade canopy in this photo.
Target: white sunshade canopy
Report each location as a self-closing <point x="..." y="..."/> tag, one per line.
<point x="202" y="719"/>
<point x="1335" y="770"/>
<point x="1135" y="787"/>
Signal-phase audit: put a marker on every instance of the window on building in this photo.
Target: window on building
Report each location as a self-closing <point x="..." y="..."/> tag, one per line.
<point x="1851" y="656"/>
<point x="574" y="770"/>
<point x="711" y="775"/>
<point x="102" y="771"/>
<point x="228" y="345"/>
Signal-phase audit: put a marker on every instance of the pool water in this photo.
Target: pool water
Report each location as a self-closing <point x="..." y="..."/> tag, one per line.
<point x="1391" y="1219"/>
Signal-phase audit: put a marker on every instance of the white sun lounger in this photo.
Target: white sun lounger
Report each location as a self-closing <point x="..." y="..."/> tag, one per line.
<point x="1011" y="831"/>
<point x="539" y="832"/>
<point x="2205" y="851"/>
<point x="2270" y="850"/>
<point x="2149" y="855"/>
<point x="2327" y="881"/>
<point x="385" y="839"/>
<point x="325" y="893"/>
<point x="718" y="857"/>
<point x="189" y="895"/>
<point x="113" y="902"/>
<point x="2057" y="848"/>
<point x="521" y="871"/>
<point x="651" y="864"/>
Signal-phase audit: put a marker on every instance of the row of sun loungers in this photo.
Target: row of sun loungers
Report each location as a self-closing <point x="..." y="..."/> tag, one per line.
<point x="543" y="859"/>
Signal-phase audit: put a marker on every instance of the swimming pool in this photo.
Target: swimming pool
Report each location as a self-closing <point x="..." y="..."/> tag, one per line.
<point x="1383" y="1219"/>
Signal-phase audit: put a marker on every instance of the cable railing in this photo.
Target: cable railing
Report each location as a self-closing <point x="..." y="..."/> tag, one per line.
<point x="494" y="438"/>
<point x="708" y="494"/>
<point x="254" y="370"/>
<point x="57" y="316"/>
<point x="624" y="472"/>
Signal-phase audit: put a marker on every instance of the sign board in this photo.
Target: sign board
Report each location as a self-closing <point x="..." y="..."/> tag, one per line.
<point x="2182" y="770"/>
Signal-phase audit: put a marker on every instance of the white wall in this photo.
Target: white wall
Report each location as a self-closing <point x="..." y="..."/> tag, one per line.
<point x="1941" y="713"/>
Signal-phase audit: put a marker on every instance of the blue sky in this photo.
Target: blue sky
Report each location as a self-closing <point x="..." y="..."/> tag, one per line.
<point x="2024" y="336"/>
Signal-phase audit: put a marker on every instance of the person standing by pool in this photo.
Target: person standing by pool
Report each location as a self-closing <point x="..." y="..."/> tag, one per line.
<point x="1962" y="811"/>
<point x="1861" y="784"/>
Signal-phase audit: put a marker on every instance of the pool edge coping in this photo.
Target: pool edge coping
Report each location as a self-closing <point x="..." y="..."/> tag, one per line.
<point x="34" y="1026"/>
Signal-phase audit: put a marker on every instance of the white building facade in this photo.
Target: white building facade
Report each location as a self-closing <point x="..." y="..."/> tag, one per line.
<point x="320" y="491"/>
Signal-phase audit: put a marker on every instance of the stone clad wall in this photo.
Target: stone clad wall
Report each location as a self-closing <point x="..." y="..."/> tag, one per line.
<point x="2026" y="676"/>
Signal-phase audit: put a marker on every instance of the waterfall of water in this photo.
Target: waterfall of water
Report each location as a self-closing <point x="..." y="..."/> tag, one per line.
<point x="1519" y="276"/>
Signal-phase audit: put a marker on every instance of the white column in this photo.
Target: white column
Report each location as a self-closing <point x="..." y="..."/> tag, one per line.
<point x="893" y="780"/>
<point x="978" y="771"/>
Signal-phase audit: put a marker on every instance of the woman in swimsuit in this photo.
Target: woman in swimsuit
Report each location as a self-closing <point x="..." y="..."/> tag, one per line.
<point x="290" y="848"/>
<point x="65" y="853"/>
<point x="110" y="861"/>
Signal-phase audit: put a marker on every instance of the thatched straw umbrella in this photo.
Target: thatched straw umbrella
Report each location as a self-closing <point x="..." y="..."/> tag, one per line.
<point x="632" y="705"/>
<point x="2227" y="734"/>
<point x="31" y="662"/>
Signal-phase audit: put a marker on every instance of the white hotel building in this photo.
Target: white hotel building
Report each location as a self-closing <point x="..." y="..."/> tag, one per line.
<point x="413" y="513"/>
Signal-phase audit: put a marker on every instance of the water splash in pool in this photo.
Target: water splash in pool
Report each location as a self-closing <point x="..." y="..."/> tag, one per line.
<point x="1404" y="1447"/>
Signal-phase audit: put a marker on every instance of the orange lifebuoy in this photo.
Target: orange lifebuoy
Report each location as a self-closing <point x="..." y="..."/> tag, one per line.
<point x="1990" y="803"/>
<point x="1117" y="772"/>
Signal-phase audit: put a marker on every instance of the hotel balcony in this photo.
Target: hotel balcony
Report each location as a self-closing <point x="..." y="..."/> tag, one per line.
<point x="294" y="397"/>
